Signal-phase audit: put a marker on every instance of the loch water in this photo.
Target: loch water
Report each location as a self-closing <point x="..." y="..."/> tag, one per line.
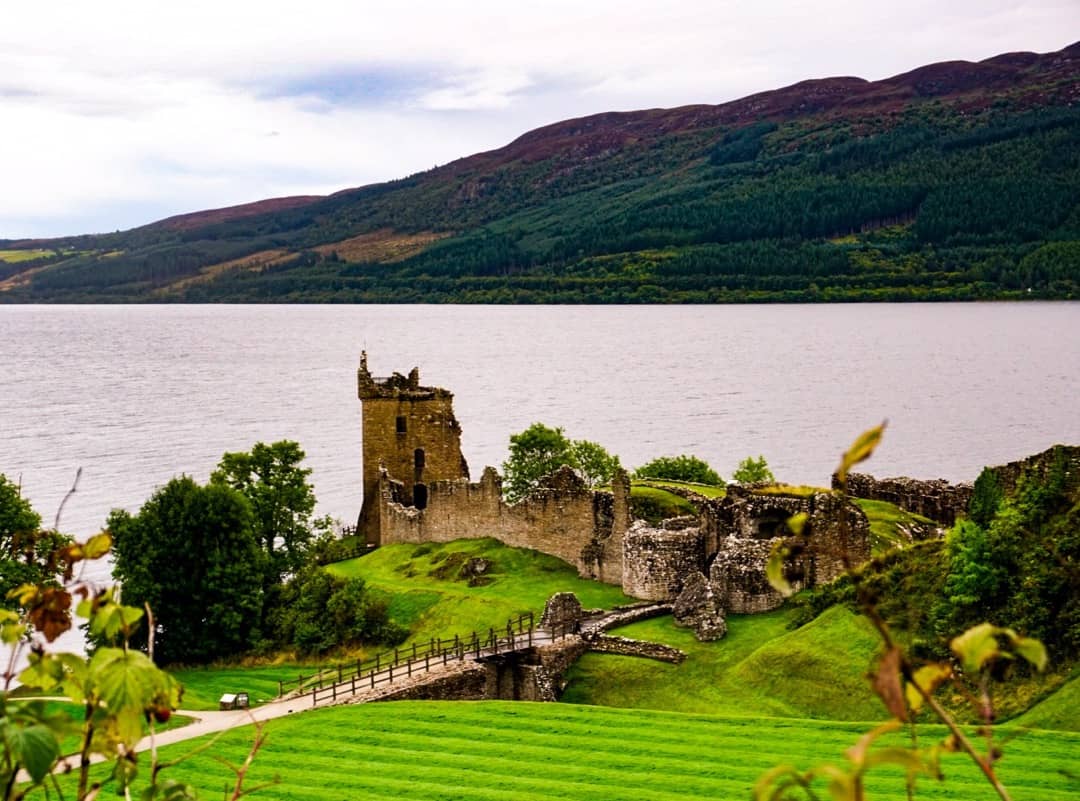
<point x="135" y="395"/>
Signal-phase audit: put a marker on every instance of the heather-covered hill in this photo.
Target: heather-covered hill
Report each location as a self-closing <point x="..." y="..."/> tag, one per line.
<point x="955" y="180"/>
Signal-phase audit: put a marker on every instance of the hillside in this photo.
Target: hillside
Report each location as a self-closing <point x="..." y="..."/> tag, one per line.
<point x="956" y="180"/>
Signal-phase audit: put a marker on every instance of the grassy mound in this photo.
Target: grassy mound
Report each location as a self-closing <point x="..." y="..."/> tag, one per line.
<point x="420" y="751"/>
<point x="654" y="504"/>
<point x="759" y="668"/>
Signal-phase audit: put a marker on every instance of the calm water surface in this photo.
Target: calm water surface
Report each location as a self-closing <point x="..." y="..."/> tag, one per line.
<point x="135" y="395"/>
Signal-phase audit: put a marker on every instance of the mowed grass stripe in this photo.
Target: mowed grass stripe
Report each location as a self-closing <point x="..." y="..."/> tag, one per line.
<point x="624" y="748"/>
<point x="521" y="776"/>
<point x="422" y="751"/>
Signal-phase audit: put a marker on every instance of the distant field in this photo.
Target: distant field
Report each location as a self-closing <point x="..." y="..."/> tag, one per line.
<point x="506" y="751"/>
<point x="14" y="256"/>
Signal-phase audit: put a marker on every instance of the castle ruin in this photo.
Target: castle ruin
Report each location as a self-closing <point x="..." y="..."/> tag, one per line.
<point x="417" y="490"/>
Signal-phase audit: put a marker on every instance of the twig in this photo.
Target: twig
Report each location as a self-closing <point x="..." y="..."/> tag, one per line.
<point x="70" y="492"/>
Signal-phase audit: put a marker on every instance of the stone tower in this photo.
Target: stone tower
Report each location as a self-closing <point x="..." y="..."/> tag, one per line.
<point x="410" y="432"/>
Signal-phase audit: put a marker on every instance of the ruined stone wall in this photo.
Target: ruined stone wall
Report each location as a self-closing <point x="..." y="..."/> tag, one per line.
<point x="750" y="522"/>
<point x="1039" y="465"/>
<point x="563" y="519"/>
<point x="655" y="561"/>
<point x="937" y="499"/>
<point x="944" y="502"/>
<point x="737" y="575"/>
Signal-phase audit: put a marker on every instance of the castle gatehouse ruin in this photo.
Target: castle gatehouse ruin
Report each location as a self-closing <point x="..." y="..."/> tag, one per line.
<point x="417" y="489"/>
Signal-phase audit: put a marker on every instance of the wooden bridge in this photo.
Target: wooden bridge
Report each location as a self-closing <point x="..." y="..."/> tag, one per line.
<point x="348" y="680"/>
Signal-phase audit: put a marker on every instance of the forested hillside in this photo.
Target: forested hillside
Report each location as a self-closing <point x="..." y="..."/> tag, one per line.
<point x="954" y="181"/>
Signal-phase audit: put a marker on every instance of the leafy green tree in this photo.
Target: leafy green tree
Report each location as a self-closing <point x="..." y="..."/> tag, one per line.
<point x="540" y="450"/>
<point x="191" y="554"/>
<point x="25" y="547"/>
<point x="534" y="453"/>
<point x="753" y="471"/>
<point x="593" y="462"/>
<point x="282" y="501"/>
<point x="321" y="611"/>
<point x="680" y="468"/>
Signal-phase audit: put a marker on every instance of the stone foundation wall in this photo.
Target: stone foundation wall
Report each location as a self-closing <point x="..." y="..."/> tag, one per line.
<point x="607" y="644"/>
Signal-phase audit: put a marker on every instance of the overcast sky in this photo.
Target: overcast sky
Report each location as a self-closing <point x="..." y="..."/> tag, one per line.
<point x="116" y="113"/>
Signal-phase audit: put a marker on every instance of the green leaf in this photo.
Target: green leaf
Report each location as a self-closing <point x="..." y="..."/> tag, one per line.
<point x="45" y="672"/>
<point x="909" y="759"/>
<point x="97" y="546"/>
<point x="797" y="523"/>
<point x="929" y="677"/>
<point x="34" y="747"/>
<point x="774" y="569"/>
<point x="860" y="450"/>
<point x="977" y="646"/>
<point x="123" y="678"/>
<point x="1030" y="649"/>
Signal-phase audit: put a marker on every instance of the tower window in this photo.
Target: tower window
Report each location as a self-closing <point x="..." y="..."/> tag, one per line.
<point x="418" y="459"/>
<point x="401" y="424"/>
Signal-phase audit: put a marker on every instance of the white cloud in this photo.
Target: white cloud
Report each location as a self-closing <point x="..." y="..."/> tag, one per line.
<point x="168" y="108"/>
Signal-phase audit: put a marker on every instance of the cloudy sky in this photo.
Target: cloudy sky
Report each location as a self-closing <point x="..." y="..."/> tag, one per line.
<point x="116" y="113"/>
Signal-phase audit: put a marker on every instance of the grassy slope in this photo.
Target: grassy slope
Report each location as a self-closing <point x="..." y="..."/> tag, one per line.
<point x="886" y="521"/>
<point x="1058" y="711"/>
<point x="760" y="668"/>
<point x="537" y="752"/>
<point x="433" y="601"/>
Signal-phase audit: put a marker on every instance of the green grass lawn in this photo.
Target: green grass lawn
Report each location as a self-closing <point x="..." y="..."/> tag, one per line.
<point x="886" y="520"/>
<point x="654" y="504"/>
<point x="204" y="686"/>
<point x="760" y="668"/>
<point x="500" y="751"/>
<point x="15" y="256"/>
<point x="705" y="490"/>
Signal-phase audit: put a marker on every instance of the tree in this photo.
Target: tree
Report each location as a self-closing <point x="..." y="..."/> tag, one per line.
<point x="753" y="471"/>
<point x="282" y="501"/>
<point x="680" y="468"/>
<point x="593" y="463"/>
<point x="321" y="611"/>
<point x="192" y="555"/>
<point x="25" y="547"/>
<point x="539" y="451"/>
